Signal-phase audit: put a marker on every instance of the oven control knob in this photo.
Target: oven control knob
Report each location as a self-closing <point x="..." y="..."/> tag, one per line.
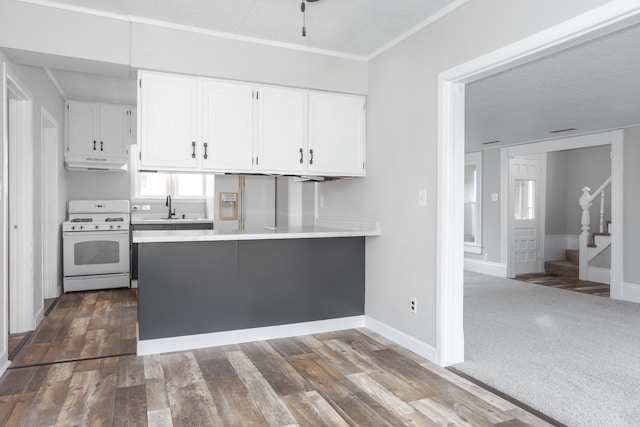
<point x="81" y="227"/>
<point x="73" y="227"/>
<point x="118" y="226"/>
<point x="97" y="227"/>
<point x="111" y="226"/>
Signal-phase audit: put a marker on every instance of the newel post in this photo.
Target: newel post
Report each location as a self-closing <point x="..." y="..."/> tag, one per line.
<point x="585" y="204"/>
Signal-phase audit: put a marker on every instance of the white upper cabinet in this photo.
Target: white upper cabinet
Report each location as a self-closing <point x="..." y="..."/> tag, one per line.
<point x="82" y="129"/>
<point x="227" y="126"/>
<point x="336" y="134"/>
<point x="113" y="130"/>
<point x="190" y="124"/>
<point x="281" y="130"/>
<point x="96" y="135"/>
<point x="132" y="125"/>
<point x="168" y="135"/>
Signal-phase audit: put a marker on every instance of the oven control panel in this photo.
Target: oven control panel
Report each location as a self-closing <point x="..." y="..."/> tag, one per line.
<point x="93" y="226"/>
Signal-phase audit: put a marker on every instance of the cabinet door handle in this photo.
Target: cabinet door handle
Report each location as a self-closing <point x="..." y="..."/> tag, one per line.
<point x="94" y="145"/>
<point x="193" y="147"/>
<point x="101" y="146"/>
<point x="311" y="156"/>
<point x="301" y="155"/>
<point x="205" y="151"/>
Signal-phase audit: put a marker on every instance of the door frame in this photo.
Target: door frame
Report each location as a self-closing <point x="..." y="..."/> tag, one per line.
<point x="595" y="23"/>
<point x="613" y="138"/>
<point x="50" y="248"/>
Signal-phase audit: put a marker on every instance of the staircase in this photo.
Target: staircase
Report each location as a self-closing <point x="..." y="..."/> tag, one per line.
<point x="568" y="267"/>
<point x="591" y="244"/>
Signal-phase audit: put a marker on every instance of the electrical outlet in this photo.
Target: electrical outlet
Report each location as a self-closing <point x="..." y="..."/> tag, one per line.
<point x="321" y="201"/>
<point x="414" y="305"/>
<point x="146" y="207"/>
<point x="494" y="197"/>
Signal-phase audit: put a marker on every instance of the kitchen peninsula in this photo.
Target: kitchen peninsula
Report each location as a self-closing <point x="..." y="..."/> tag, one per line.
<point x="195" y="283"/>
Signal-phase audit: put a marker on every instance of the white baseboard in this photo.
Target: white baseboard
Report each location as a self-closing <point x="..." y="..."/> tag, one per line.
<point x="4" y="357"/>
<point x="38" y="317"/>
<point x="486" y="267"/>
<point x="191" y="342"/>
<point x="600" y="275"/>
<point x="625" y="291"/>
<point x="402" y="339"/>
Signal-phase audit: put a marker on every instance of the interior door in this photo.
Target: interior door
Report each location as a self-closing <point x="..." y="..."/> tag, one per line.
<point x="525" y="182"/>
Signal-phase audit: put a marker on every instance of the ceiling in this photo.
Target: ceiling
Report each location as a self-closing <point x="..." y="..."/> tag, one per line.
<point x="350" y="27"/>
<point x="591" y="87"/>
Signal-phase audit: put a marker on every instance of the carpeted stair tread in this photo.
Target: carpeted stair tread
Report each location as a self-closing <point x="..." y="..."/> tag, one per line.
<point x="562" y="268"/>
<point x="572" y="255"/>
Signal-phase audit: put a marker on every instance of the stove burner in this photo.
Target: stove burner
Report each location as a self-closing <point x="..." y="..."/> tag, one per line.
<point x="114" y="220"/>
<point x="82" y="220"/>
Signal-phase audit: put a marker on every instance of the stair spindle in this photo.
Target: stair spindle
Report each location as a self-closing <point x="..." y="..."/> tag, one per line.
<point x="602" y="212"/>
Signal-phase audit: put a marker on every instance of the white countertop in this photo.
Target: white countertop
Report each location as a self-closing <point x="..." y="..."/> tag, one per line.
<point x="147" y="220"/>
<point x="309" y="232"/>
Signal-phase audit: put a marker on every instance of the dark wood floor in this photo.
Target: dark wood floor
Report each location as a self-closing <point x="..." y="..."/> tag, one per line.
<point x="351" y="377"/>
<point x="568" y="283"/>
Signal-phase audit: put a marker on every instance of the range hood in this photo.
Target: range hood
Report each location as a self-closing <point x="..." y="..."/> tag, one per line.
<point x="95" y="165"/>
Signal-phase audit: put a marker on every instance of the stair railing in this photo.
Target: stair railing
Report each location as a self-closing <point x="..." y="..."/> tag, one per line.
<point x="586" y="200"/>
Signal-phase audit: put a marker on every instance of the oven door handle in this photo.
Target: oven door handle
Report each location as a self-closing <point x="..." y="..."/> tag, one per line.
<point x="85" y="234"/>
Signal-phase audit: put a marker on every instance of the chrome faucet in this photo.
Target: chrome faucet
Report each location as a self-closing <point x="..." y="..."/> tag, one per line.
<point x="168" y="203"/>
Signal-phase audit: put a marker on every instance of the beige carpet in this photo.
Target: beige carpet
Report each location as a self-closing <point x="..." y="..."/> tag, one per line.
<point x="572" y="356"/>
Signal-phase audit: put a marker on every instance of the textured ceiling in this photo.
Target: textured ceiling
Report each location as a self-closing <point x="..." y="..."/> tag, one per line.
<point x="354" y="27"/>
<point x="591" y="87"/>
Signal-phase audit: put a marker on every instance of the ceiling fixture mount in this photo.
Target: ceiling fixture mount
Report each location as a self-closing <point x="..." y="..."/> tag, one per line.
<point x="491" y="142"/>
<point x="303" y="7"/>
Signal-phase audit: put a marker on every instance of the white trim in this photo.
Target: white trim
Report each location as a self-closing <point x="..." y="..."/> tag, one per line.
<point x="39" y="316"/>
<point x="497" y="269"/>
<point x="5" y="358"/>
<point x="190" y="29"/>
<point x="449" y="280"/>
<point x="55" y="82"/>
<point x="190" y="342"/>
<point x="50" y="226"/>
<point x="625" y="291"/>
<point x="599" y="275"/>
<point x="424" y="24"/>
<point x="470" y="248"/>
<point x="420" y="348"/>
<point x="475" y="158"/>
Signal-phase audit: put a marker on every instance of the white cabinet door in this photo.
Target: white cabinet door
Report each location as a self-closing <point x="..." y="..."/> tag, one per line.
<point x="113" y="131"/>
<point x="281" y="130"/>
<point x="168" y="122"/>
<point x="336" y="134"/>
<point x="82" y="138"/>
<point x="227" y="126"/>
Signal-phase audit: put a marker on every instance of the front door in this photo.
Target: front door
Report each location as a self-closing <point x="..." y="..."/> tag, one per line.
<point x="525" y="184"/>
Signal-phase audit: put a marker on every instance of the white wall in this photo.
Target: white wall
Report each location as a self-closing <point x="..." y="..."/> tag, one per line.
<point x="557" y="194"/>
<point x="401" y="151"/>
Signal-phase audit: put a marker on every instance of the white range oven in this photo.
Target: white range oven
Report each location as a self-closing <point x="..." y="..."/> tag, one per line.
<point x="95" y="243"/>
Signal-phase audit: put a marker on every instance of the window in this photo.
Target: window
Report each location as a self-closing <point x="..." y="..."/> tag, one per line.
<point x="151" y="185"/>
<point x="473" y="203"/>
<point x="525" y="197"/>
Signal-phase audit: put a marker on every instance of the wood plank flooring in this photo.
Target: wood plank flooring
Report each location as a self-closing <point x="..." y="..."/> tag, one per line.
<point x="84" y="325"/>
<point x="344" y="378"/>
<point x="567" y="283"/>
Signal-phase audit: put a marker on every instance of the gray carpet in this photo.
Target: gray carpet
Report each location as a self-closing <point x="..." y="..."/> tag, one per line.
<point x="575" y="357"/>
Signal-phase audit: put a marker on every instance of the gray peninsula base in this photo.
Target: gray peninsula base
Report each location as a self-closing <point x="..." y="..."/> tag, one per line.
<point x="187" y="288"/>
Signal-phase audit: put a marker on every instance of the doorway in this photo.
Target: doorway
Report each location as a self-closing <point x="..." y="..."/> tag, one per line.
<point x="451" y="143"/>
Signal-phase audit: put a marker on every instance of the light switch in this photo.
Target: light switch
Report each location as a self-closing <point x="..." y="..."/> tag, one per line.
<point x="494" y="197"/>
<point x="422" y="197"/>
